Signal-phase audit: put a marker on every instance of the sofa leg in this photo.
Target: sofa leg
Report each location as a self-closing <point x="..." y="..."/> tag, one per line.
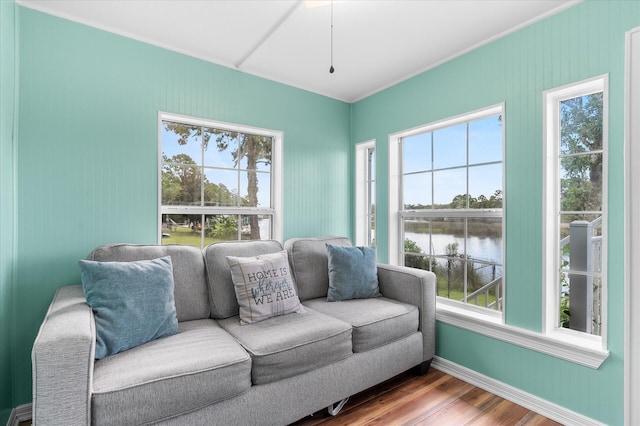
<point x="423" y="368"/>
<point x="335" y="408"/>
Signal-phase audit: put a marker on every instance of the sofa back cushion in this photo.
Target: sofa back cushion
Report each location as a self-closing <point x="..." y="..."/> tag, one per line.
<point x="190" y="286"/>
<point x="222" y="294"/>
<point x="310" y="264"/>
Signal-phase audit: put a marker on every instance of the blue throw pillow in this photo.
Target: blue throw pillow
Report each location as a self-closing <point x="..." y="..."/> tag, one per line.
<point x="132" y="302"/>
<point x="353" y="273"/>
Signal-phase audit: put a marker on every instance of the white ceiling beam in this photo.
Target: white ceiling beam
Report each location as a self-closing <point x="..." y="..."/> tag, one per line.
<point x="269" y="33"/>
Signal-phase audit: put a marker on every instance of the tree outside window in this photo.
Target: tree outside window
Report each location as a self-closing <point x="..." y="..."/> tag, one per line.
<point x="216" y="184"/>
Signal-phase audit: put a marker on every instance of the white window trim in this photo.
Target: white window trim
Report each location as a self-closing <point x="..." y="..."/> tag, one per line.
<point x="568" y="349"/>
<point x="276" y="171"/>
<point x="632" y="230"/>
<point x="550" y="257"/>
<point x="467" y="319"/>
<point x="362" y="191"/>
<point x="395" y="202"/>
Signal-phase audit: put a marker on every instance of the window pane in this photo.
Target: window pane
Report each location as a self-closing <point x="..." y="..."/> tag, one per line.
<point x="181" y="143"/>
<point x="255" y="152"/>
<point x="447" y="245"/>
<point x="447" y="237"/>
<point x="255" y="227"/>
<point x="416" y="191"/>
<point x="485" y="140"/>
<point x="220" y="228"/>
<point x="182" y="229"/>
<point x="581" y="303"/>
<point x="417" y="153"/>
<point x="372" y="164"/>
<point x="181" y="185"/>
<point x="597" y="320"/>
<point x="484" y="239"/>
<point x="255" y="189"/>
<point x="485" y="186"/>
<point x="417" y="244"/>
<point x="581" y="243"/>
<point x="567" y="219"/>
<point x="581" y="124"/>
<point x="450" y="146"/>
<point x="484" y="257"/>
<point x="581" y="183"/>
<point x="450" y="189"/>
<point x="417" y="238"/>
<point x="372" y="231"/>
<point x="221" y="188"/>
<point x="372" y="196"/>
<point x="221" y="148"/>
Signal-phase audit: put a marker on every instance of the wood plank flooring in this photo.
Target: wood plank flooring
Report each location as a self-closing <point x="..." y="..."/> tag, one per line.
<point x="435" y="398"/>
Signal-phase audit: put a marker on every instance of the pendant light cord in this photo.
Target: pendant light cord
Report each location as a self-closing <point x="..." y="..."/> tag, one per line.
<point x="331" y="69"/>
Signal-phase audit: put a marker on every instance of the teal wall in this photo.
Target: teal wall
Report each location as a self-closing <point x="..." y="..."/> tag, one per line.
<point x="87" y="152"/>
<point x="7" y="116"/>
<point x="583" y="41"/>
<point x="86" y="171"/>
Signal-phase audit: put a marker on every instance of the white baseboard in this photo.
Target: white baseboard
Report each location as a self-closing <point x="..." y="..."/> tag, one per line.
<point x="515" y="395"/>
<point x="21" y="413"/>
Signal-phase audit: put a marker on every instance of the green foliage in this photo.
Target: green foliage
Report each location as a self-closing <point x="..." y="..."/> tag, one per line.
<point x="581" y="128"/>
<point x="452" y="272"/>
<point x="419" y="261"/>
<point x="565" y="314"/>
<point x="181" y="185"/>
<point x="224" y="228"/>
<point x="460" y="202"/>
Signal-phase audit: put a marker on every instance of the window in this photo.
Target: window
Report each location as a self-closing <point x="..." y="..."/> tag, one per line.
<point x="218" y="181"/>
<point x="575" y="210"/>
<point x="366" y="193"/>
<point x="450" y="207"/>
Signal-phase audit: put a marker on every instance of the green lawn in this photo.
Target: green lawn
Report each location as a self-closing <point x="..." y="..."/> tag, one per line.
<point x="184" y="235"/>
<point x="459" y="295"/>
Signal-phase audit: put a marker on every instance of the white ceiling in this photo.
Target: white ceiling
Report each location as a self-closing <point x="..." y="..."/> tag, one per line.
<point x="376" y="44"/>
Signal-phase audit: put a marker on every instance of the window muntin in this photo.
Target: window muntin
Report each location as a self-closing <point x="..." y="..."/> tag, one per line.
<point x="451" y="215"/>
<point x="575" y="231"/>
<point x="217" y="181"/>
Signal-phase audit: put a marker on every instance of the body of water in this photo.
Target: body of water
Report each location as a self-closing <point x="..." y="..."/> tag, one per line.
<point x="489" y="249"/>
<point x="486" y="249"/>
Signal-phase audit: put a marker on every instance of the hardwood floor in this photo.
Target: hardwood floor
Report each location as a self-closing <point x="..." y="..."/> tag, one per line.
<point x="435" y="398"/>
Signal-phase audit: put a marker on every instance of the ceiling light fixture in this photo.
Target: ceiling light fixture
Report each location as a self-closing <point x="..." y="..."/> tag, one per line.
<point x="331" y="69"/>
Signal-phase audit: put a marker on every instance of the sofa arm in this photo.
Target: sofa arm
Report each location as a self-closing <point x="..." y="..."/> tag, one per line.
<point x="416" y="287"/>
<point x="62" y="361"/>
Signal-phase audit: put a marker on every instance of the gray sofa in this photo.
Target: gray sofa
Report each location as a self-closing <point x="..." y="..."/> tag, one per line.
<point x="216" y="371"/>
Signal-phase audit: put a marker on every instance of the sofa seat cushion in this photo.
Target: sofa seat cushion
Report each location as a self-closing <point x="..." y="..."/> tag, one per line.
<point x="375" y="322"/>
<point x="288" y="345"/>
<point x="200" y="365"/>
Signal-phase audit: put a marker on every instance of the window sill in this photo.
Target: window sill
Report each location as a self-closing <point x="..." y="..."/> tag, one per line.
<point x="567" y="346"/>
